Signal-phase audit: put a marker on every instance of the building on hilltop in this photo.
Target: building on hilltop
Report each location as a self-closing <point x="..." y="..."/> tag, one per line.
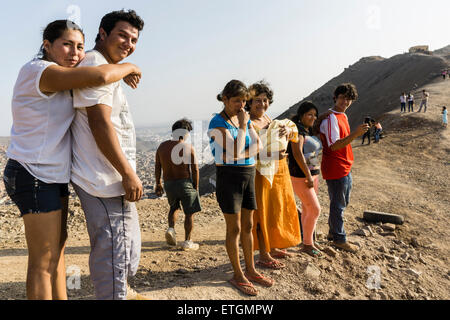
<point x="420" y="49"/>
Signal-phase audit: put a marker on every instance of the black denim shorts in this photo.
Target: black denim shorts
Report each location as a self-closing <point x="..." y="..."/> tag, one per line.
<point x="235" y="188"/>
<point x="30" y="194"/>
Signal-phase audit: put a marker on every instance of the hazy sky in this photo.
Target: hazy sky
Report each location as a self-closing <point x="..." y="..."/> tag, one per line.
<point x="189" y="49"/>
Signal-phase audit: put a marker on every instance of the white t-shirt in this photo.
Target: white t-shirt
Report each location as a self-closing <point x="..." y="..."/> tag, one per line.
<point x="40" y="135"/>
<point x="334" y="134"/>
<point x="403" y="99"/>
<point x="90" y="168"/>
<point x="411" y="98"/>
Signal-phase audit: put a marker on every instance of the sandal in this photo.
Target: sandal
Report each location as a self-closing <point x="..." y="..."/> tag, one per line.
<point x="312" y="252"/>
<point x="244" y="287"/>
<point x="281" y="254"/>
<point x="264" y="281"/>
<point x="274" y="264"/>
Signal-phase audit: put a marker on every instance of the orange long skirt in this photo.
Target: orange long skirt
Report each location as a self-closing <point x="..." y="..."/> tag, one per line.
<point x="277" y="214"/>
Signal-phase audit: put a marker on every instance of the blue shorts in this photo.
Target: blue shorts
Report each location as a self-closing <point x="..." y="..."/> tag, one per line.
<point x="30" y="194"/>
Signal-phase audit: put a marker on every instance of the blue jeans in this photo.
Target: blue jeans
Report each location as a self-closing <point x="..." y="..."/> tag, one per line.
<point x="339" y="193"/>
<point x="377" y="135"/>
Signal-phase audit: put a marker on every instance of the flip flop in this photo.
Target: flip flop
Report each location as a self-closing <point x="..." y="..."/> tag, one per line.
<point x="281" y="254"/>
<point x="264" y="281"/>
<point x="313" y="252"/>
<point x="246" y="288"/>
<point x="274" y="264"/>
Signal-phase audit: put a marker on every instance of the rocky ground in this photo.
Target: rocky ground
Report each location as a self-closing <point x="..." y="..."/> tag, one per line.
<point x="407" y="173"/>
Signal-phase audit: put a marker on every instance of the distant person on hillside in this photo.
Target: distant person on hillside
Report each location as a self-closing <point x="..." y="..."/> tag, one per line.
<point x="424" y="103"/>
<point x="444" y="74"/>
<point x="367" y="135"/>
<point x="234" y="144"/>
<point x="403" y="102"/>
<point x="276" y="226"/>
<point x="177" y="160"/>
<point x="337" y="161"/>
<point x="37" y="173"/>
<point x="378" y="131"/>
<point x="444" y="117"/>
<point x="410" y="102"/>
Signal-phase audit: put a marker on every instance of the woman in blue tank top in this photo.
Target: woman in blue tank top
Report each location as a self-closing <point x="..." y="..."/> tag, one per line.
<point x="234" y="144"/>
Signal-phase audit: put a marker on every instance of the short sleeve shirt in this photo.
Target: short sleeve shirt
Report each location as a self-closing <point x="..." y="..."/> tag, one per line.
<point x="90" y="168"/>
<point x="40" y="135"/>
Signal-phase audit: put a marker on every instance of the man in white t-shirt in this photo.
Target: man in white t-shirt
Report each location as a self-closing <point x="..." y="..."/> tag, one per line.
<point x="403" y="102"/>
<point x="104" y="163"/>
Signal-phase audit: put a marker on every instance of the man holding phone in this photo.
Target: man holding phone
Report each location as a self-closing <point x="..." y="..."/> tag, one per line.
<point x="337" y="161"/>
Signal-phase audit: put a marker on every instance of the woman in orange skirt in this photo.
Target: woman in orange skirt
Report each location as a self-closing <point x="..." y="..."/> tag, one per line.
<point x="276" y="224"/>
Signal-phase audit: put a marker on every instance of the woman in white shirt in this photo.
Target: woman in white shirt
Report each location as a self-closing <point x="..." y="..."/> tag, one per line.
<point x="37" y="174"/>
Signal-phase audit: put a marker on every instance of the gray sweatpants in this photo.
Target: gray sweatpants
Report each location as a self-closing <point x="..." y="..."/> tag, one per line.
<point x="423" y="103"/>
<point x="115" y="237"/>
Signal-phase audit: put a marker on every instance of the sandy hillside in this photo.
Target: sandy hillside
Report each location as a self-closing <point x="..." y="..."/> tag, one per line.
<point x="408" y="173"/>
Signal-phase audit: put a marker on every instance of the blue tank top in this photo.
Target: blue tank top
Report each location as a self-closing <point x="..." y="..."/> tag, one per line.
<point x="219" y="122"/>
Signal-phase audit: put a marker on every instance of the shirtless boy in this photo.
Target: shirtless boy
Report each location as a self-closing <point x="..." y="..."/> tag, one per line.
<point x="177" y="160"/>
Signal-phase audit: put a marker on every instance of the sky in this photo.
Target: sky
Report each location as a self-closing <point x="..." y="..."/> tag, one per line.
<point x="189" y="49"/>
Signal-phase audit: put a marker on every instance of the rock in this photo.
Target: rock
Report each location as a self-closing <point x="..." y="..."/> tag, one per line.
<point x="350" y="289"/>
<point x="420" y="290"/>
<point x="382" y="249"/>
<point x="383" y="296"/>
<point x="362" y="232"/>
<point x="391" y="258"/>
<point x="277" y="272"/>
<point x="320" y="235"/>
<point x="413" y="272"/>
<point x="421" y="259"/>
<point x="312" y="271"/>
<point x="411" y="294"/>
<point x="374" y="296"/>
<point x="405" y="256"/>
<point x="414" y="242"/>
<point x="368" y="228"/>
<point x="388" y="227"/>
<point x="181" y="271"/>
<point x="388" y="234"/>
<point x="378" y="229"/>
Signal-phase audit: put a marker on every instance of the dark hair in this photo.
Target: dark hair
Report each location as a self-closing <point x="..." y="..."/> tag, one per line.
<point x="55" y="30"/>
<point x="234" y="88"/>
<point x="302" y="109"/>
<point x="259" y="88"/>
<point x="183" y="126"/>
<point x="348" y="90"/>
<point x="109" y="21"/>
